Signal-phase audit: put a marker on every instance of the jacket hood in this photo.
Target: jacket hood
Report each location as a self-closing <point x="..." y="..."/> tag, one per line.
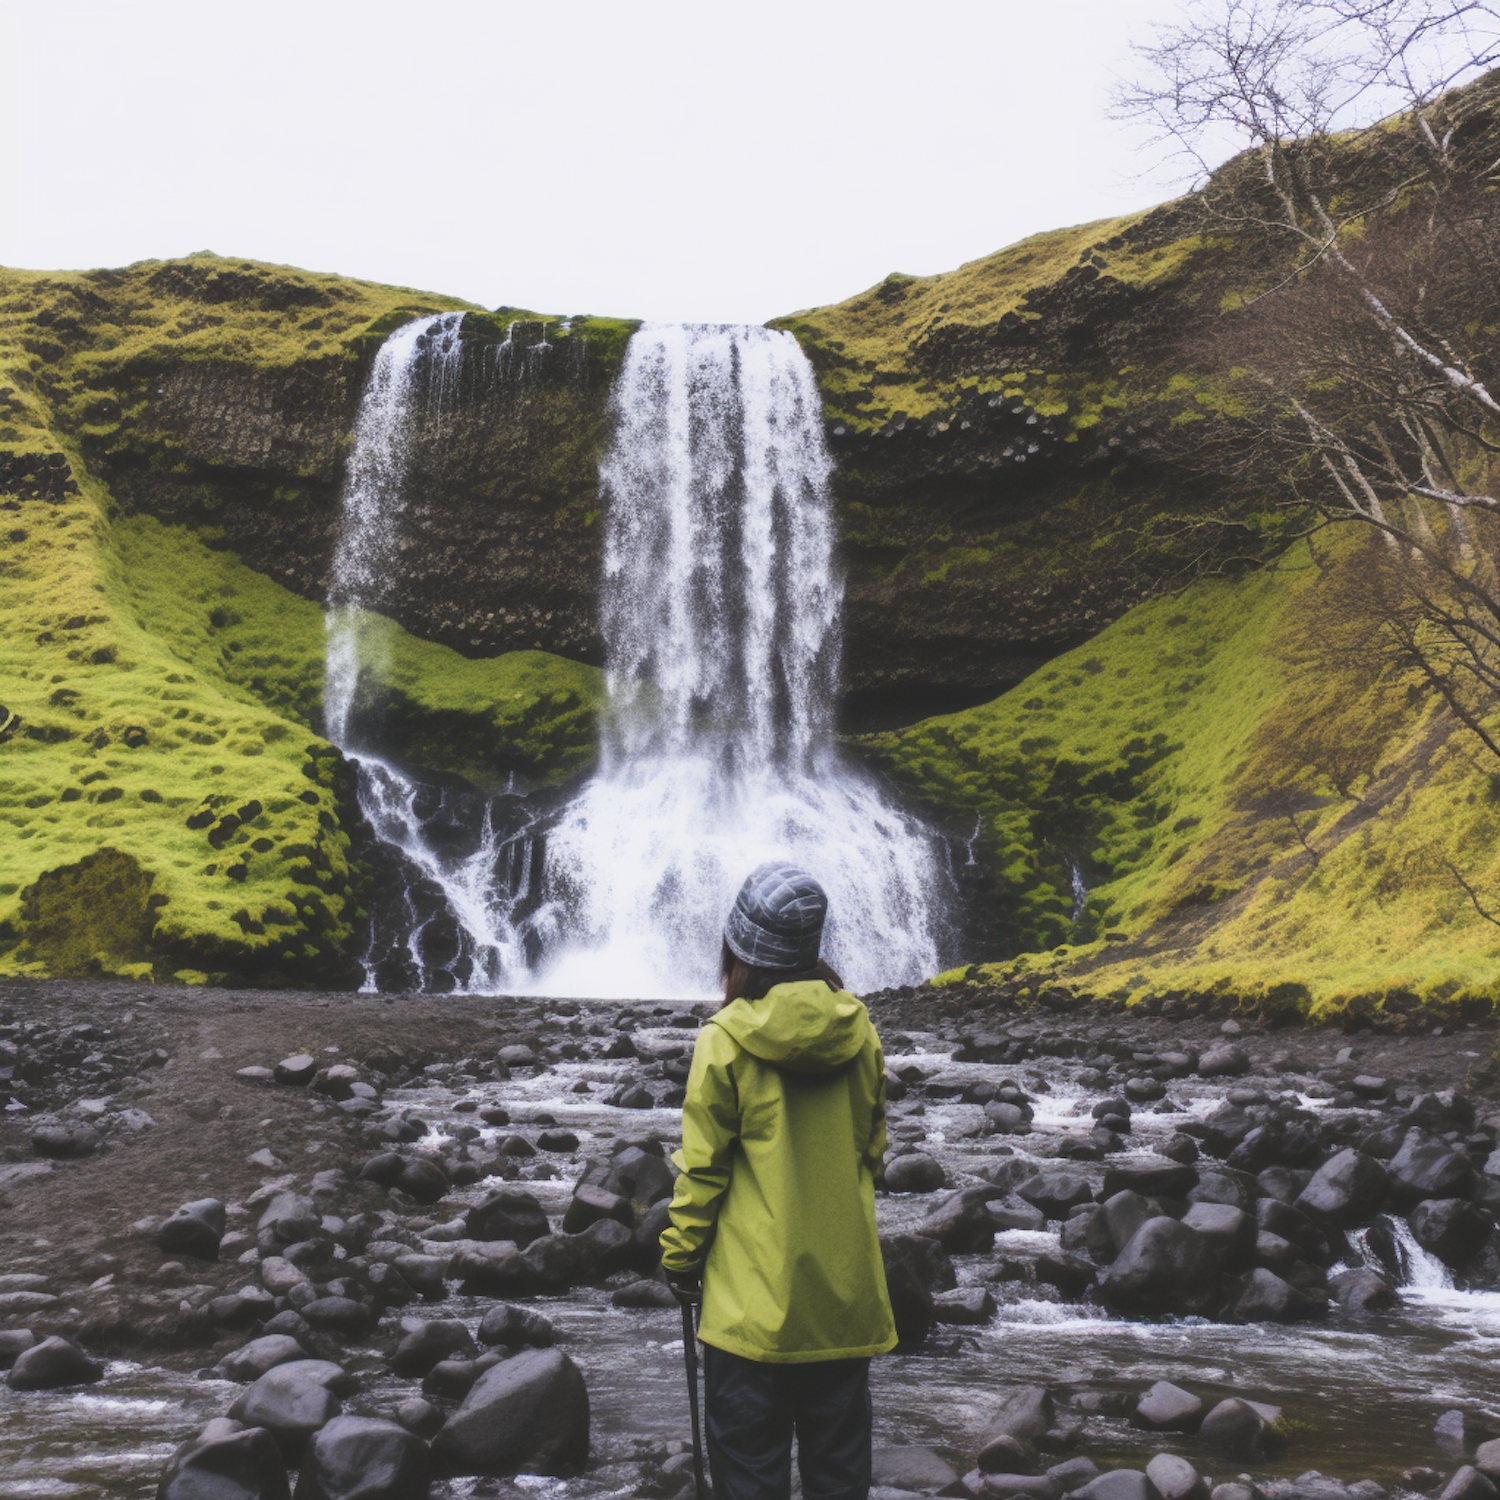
<point x="805" y="1027"/>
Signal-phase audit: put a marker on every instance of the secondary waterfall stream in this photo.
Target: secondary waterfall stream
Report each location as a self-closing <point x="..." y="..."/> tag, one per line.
<point x="720" y="607"/>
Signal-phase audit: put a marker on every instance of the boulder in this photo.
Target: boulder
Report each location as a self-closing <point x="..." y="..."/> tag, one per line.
<point x="516" y="1328"/>
<point x="1295" y="1227"/>
<point x="1223" y="1062"/>
<point x="1027" y="1414"/>
<point x="51" y="1364"/>
<point x="1004" y="1487"/>
<point x="1451" y="1228"/>
<point x="1014" y="1213"/>
<point x="1168" y="1408"/>
<point x="296" y="1070"/>
<point x="194" y="1229"/>
<point x="1114" y="1226"/>
<point x="961" y="1222"/>
<point x="591" y="1203"/>
<point x="342" y="1316"/>
<point x="532" y="1411"/>
<point x="420" y="1416"/>
<point x="1426" y="1168"/>
<point x="292" y="1401"/>
<point x="1175" y="1478"/>
<point x="1346" y="1190"/>
<point x="1118" y="1484"/>
<point x="252" y="1360"/>
<point x="454" y="1378"/>
<point x="1231" y="1232"/>
<point x="423" y="1179"/>
<point x="1055" y="1192"/>
<point x="913" y="1469"/>
<point x="65" y="1142"/>
<point x="431" y="1342"/>
<point x="909" y="1283"/>
<point x="509" y="1214"/>
<point x="916" y="1173"/>
<point x="1487" y="1458"/>
<point x="1152" y="1177"/>
<point x="1267" y="1298"/>
<point x="644" y="1294"/>
<point x="226" y="1461"/>
<point x="1217" y="1184"/>
<point x="1467" y="1484"/>
<point x="1072" y="1473"/>
<point x="365" y="1458"/>
<point x="1242" y="1429"/>
<point x="1004" y="1454"/>
<point x="1362" y="1290"/>
<point x="14" y="1342"/>
<point x="1166" y="1268"/>
<point x="966" y="1308"/>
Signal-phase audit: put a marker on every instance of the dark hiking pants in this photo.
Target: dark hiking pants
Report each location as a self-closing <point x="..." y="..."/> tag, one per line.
<point x="753" y="1409"/>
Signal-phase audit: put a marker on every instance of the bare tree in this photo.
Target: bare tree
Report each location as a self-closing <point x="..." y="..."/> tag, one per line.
<point x="1367" y="357"/>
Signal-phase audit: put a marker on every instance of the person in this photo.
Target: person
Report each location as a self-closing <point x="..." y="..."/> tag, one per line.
<point x="783" y="1135"/>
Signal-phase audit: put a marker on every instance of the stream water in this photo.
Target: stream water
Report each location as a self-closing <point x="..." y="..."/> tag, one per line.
<point x="1361" y="1394"/>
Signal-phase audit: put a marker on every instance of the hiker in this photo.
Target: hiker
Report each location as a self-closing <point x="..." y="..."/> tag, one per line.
<point x="773" y="1218"/>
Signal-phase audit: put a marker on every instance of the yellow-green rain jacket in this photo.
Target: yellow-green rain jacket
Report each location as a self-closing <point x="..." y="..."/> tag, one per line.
<point x="783" y="1130"/>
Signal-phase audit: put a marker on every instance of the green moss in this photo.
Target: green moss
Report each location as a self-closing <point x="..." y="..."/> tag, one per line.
<point x="1252" y="798"/>
<point x="93" y="917"/>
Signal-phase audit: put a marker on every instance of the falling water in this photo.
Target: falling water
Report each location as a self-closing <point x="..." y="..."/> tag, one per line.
<point x="721" y="607"/>
<point x="456" y="913"/>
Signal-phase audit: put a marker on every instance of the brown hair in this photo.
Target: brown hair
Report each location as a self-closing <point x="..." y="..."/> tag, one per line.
<point x="744" y="981"/>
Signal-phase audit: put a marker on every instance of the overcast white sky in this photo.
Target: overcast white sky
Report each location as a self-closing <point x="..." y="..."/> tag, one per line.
<point x="684" y="161"/>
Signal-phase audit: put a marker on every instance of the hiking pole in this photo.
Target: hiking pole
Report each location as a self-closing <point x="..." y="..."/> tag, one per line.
<point x="690" y="1357"/>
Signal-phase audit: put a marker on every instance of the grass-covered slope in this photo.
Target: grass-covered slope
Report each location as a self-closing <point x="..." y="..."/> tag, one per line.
<point x="1260" y="807"/>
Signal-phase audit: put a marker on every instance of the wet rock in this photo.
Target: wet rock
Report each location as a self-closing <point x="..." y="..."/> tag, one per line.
<point x="1012" y="1486"/>
<point x="916" y="1173"/>
<point x="1487" y="1458"/>
<point x="1296" y="1228"/>
<point x="913" y="1469"/>
<point x="1118" y="1484"/>
<point x="423" y="1179"/>
<point x="1243" y="1429"/>
<point x="632" y="1094"/>
<point x="1362" y="1290"/>
<point x="1224" y="1062"/>
<point x="642" y="1294"/>
<point x="909" y="1281"/>
<point x="1175" y="1478"/>
<point x="531" y="1411"/>
<point x="1108" y="1231"/>
<point x="1284" y="1184"/>
<point x="429" y="1343"/>
<point x="961" y="1222"/>
<point x="1055" y="1192"/>
<point x="250" y="1304"/>
<point x="14" y="1342"/>
<point x="336" y="1083"/>
<point x="1452" y="1433"/>
<point x="420" y="1416"/>
<point x="509" y="1214"/>
<point x="226" y="1461"/>
<point x="1008" y="1118"/>
<point x="1072" y="1275"/>
<point x="1014" y="1213"/>
<point x="1231" y="1232"/>
<point x="365" y="1458"/>
<point x="23" y="1304"/>
<point x="966" y="1308"/>
<point x="65" y="1142"/>
<point x="292" y="1401"/>
<point x="1166" y="1268"/>
<point x="252" y="1360"/>
<point x="592" y="1203"/>
<point x="1152" y="1177"/>
<point x="1451" y="1228"/>
<point x="343" y="1316"/>
<point x="52" y="1364"/>
<point x="1346" y="1190"/>
<point x="453" y="1379"/>
<point x="1235" y="1490"/>
<point x="280" y="1277"/>
<point x="1467" y="1484"/>
<point x="1426" y="1168"/>
<point x="1225" y="1185"/>
<point x="1267" y="1298"/>
<point x="1004" y="1454"/>
<point x="1073" y="1473"/>
<point x="194" y="1229"/>
<point x="297" y="1069"/>
<point x="516" y="1328"/>
<point x="1168" y="1408"/>
<point x="1027" y="1414"/>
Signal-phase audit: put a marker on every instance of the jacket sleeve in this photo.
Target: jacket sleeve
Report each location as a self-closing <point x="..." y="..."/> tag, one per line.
<point x="710" y="1131"/>
<point x="875" y="1151"/>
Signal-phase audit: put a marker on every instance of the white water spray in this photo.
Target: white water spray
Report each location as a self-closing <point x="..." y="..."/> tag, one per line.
<point x="721" y="613"/>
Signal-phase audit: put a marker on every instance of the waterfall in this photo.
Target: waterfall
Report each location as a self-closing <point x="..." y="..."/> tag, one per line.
<point x="1421" y="1270"/>
<point x="720" y="607"/>
<point x="453" y="921"/>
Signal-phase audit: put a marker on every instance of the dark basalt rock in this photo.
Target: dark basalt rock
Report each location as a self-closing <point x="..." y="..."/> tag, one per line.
<point x="429" y="1344"/>
<point x="531" y="1411"/>
<point x="292" y="1401"/>
<point x="1452" y="1229"/>
<point x="365" y="1458"/>
<point x="1426" y="1168"/>
<point x="516" y="1328"/>
<point x="509" y="1214"/>
<point x="51" y="1364"/>
<point x="1166" y="1268"/>
<point x="916" y="1173"/>
<point x="226" y="1461"/>
<point x="1346" y="1190"/>
<point x="194" y="1229"/>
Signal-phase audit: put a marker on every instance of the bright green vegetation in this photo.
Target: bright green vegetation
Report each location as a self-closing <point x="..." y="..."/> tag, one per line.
<point x="1262" y="808"/>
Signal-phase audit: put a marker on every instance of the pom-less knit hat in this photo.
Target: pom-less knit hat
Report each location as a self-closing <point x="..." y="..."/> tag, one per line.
<point x="777" y="920"/>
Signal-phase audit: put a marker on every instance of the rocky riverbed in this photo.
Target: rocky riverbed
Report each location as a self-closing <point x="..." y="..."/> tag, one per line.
<point x="1132" y="1259"/>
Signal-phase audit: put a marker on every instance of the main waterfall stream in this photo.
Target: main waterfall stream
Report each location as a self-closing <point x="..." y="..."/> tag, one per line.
<point x="720" y="606"/>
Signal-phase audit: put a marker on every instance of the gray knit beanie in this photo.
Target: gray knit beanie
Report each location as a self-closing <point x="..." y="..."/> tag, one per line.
<point x="777" y="920"/>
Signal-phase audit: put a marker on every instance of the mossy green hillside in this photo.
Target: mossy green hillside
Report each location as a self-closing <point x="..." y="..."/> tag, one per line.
<point x="525" y="713"/>
<point x="1257" y="801"/>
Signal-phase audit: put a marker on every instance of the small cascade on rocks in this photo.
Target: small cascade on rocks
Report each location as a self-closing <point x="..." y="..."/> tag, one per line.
<point x="1421" y="1270"/>
<point x="721" y="612"/>
<point x="460" y="862"/>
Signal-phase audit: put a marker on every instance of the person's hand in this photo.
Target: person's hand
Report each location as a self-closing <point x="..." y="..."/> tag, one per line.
<point x="688" y="1285"/>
